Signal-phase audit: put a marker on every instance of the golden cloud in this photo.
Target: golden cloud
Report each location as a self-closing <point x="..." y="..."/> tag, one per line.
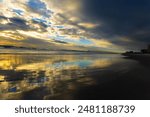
<point x="88" y="25"/>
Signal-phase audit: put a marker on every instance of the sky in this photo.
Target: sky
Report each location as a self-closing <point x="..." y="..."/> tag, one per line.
<point x="102" y="25"/>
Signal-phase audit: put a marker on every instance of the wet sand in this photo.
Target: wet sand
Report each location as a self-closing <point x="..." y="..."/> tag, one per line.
<point x="110" y="85"/>
<point x="83" y="77"/>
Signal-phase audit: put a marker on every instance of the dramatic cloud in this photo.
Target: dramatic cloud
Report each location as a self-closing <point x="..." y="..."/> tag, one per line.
<point x="121" y="19"/>
<point x="103" y="25"/>
<point x="38" y="6"/>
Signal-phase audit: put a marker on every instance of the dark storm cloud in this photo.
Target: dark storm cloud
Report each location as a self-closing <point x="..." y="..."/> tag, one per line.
<point x="14" y="24"/>
<point x="40" y="23"/>
<point x="62" y="42"/>
<point x="18" y="22"/>
<point x="3" y="17"/>
<point x="126" y="18"/>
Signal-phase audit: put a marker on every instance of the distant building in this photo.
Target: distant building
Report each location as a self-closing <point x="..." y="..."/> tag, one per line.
<point x="143" y="51"/>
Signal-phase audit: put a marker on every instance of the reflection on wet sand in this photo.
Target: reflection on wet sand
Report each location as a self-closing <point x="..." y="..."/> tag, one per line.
<point x="48" y="76"/>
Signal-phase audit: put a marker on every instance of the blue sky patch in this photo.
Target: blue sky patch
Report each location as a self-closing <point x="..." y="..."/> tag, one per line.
<point x="17" y="11"/>
<point x="39" y="7"/>
<point x="85" y="41"/>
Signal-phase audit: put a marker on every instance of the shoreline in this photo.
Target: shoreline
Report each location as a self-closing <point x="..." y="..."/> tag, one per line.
<point x="53" y="53"/>
<point x="142" y="58"/>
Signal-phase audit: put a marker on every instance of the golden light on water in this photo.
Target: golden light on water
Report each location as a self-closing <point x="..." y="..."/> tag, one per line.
<point x="2" y="78"/>
<point x="34" y="71"/>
